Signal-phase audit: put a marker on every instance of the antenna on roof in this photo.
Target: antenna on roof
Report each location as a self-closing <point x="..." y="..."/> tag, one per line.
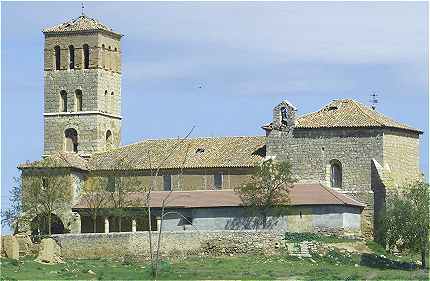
<point x="374" y="100"/>
<point x="82" y="8"/>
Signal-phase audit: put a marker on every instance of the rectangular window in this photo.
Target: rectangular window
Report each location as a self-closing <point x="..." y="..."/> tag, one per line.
<point x="167" y="182"/>
<point x="218" y="178"/>
<point x="110" y="184"/>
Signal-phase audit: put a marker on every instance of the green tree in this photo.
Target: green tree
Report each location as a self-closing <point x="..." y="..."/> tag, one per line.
<point x="406" y="219"/>
<point x="13" y="215"/>
<point x="43" y="196"/>
<point x="268" y="189"/>
<point x="96" y="198"/>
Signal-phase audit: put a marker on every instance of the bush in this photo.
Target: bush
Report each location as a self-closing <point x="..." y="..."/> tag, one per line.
<point x="298" y="237"/>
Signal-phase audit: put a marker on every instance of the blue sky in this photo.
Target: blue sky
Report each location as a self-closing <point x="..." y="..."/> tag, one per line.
<point x="247" y="57"/>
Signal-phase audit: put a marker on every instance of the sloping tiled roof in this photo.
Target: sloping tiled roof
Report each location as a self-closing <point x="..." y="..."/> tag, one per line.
<point x="82" y="23"/>
<point x="59" y="160"/>
<point x="190" y="153"/>
<point x="347" y="113"/>
<point x="301" y="194"/>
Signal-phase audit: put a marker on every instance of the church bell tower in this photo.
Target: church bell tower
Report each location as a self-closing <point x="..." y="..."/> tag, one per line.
<point x="82" y="94"/>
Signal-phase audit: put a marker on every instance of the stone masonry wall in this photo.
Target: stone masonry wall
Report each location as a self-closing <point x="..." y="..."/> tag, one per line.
<point x="401" y="154"/>
<point x="173" y="244"/>
<point x="191" y="179"/>
<point x="310" y="152"/>
<point x="95" y="40"/>
<point x="93" y="84"/>
<point x="91" y="129"/>
<point x="100" y="86"/>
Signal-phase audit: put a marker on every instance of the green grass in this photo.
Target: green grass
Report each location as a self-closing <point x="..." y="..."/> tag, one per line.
<point x="331" y="267"/>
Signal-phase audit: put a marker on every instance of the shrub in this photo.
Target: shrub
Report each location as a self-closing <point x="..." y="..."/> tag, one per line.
<point x="298" y="237"/>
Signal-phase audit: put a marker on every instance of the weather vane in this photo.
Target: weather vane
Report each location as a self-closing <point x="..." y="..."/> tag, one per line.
<point x="82" y="7"/>
<point x="374" y="100"/>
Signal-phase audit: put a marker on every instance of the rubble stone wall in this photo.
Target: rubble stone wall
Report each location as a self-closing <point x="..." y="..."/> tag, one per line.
<point x="173" y="244"/>
<point x="401" y="156"/>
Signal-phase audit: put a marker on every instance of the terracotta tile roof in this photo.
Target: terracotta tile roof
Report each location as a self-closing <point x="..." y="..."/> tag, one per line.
<point x="301" y="194"/>
<point x="59" y="160"/>
<point x="82" y="23"/>
<point x="346" y="113"/>
<point x="219" y="152"/>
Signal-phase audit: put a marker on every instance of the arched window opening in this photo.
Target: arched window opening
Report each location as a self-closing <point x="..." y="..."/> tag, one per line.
<point x="71" y="143"/>
<point x="335" y="174"/>
<point x="63" y="101"/>
<point x="108" y="139"/>
<point x="44" y="183"/>
<point x="86" y="50"/>
<point x="284" y="116"/>
<point x="71" y="57"/>
<point x="57" y="57"/>
<point x="78" y="100"/>
<point x="102" y="56"/>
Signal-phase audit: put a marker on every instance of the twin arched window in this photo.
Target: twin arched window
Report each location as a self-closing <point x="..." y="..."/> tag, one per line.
<point x="78" y="101"/>
<point x="71" y="140"/>
<point x="335" y="174"/>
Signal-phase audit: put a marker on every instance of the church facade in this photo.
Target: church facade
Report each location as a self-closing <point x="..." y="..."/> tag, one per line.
<point x="345" y="156"/>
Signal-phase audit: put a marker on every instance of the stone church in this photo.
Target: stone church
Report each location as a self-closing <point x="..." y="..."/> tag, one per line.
<point x="345" y="156"/>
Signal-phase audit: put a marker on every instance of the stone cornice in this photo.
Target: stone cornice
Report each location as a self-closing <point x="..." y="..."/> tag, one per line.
<point x="47" y="114"/>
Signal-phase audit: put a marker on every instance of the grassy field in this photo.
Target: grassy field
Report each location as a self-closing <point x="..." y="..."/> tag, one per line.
<point x="330" y="267"/>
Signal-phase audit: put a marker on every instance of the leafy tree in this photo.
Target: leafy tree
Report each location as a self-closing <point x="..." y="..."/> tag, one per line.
<point x="13" y="216"/>
<point x="406" y="219"/>
<point x="119" y="190"/>
<point x="268" y="189"/>
<point x="45" y="195"/>
<point x="96" y="197"/>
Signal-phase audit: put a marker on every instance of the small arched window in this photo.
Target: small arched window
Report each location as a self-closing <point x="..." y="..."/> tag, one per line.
<point x="78" y="100"/>
<point x="57" y="57"/>
<point x="44" y="183"/>
<point x="335" y="174"/>
<point x="284" y="116"/>
<point x="102" y="56"/>
<point x="63" y="101"/>
<point x="86" y="51"/>
<point x="71" y="140"/>
<point x="71" y="57"/>
<point x="108" y="139"/>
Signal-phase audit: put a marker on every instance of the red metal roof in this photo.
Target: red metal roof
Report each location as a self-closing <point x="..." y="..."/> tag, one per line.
<point x="301" y="194"/>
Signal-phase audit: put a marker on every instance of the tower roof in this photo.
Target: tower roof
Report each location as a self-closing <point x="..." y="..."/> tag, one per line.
<point x="81" y="23"/>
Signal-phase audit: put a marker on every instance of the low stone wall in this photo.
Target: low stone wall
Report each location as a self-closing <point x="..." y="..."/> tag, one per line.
<point x="173" y="244"/>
